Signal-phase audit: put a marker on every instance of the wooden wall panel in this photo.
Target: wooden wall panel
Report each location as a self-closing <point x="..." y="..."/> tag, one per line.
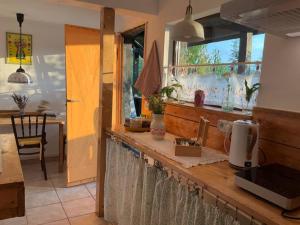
<point x="279" y="126"/>
<point x="279" y="136"/>
<point x="183" y="120"/>
<point x="279" y="130"/>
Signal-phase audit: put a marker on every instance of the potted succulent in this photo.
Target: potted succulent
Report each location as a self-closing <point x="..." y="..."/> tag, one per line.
<point x="157" y="107"/>
<point x="249" y="93"/>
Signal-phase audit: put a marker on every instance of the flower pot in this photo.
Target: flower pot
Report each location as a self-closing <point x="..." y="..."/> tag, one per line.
<point x="157" y="127"/>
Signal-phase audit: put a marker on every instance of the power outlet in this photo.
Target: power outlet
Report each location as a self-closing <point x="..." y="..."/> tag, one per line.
<point x="224" y="126"/>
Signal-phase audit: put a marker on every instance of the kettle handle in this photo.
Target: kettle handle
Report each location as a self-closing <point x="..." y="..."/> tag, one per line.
<point x="250" y="149"/>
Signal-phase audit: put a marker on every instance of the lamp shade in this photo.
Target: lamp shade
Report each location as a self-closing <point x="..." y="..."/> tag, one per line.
<point x="19" y="77"/>
<point x="188" y="30"/>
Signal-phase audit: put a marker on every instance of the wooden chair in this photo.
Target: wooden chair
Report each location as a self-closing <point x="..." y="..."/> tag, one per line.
<point x="33" y="137"/>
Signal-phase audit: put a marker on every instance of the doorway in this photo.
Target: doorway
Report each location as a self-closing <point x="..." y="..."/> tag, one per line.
<point x="133" y="61"/>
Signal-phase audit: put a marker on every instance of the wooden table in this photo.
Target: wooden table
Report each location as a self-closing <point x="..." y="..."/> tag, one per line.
<point x="50" y="121"/>
<point x="12" y="192"/>
<point x="217" y="178"/>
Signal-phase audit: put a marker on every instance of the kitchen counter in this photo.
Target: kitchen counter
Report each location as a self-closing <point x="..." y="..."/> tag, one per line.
<point x="218" y="179"/>
<point x="12" y="194"/>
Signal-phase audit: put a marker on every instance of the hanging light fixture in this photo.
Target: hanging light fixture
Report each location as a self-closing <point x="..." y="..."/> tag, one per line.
<point x="188" y="30"/>
<point x="20" y="76"/>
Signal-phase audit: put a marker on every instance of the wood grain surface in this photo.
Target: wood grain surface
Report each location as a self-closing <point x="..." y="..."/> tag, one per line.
<point x="12" y="194"/>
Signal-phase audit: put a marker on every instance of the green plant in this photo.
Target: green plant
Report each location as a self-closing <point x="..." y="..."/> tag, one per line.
<point x="168" y="90"/>
<point x="250" y="90"/>
<point x="156" y="101"/>
<point x="156" y="104"/>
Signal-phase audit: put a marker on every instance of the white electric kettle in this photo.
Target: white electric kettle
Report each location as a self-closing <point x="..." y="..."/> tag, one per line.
<point x="244" y="144"/>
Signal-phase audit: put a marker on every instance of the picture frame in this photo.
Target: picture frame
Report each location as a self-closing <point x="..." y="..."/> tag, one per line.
<point x="12" y="43"/>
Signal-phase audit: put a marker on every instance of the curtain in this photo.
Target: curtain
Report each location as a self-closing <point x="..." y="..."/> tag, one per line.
<point x="218" y="83"/>
<point x="139" y="194"/>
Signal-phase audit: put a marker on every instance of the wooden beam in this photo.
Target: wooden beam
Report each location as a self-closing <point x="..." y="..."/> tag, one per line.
<point x="107" y="84"/>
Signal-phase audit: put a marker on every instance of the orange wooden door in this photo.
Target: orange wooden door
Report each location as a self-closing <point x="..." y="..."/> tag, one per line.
<point x="82" y="78"/>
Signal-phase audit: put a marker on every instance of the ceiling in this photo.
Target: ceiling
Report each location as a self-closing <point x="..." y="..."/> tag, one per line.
<point x="76" y="12"/>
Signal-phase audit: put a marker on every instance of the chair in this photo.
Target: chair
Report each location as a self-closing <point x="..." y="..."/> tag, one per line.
<point x="33" y="137"/>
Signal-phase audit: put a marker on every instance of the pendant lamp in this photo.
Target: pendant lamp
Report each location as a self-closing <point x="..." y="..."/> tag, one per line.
<point x="20" y="76"/>
<point x="188" y="30"/>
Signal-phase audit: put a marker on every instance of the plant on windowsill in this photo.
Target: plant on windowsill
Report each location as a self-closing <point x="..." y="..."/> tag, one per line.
<point x="157" y="107"/>
<point x="248" y="96"/>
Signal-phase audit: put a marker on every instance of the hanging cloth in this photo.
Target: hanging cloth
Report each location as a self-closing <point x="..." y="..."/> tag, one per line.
<point x="168" y="201"/>
<point x="161" y="179"/>
<point x="111" y="182"/>
<point x="136" y="207"/>
<point x="149" y="81"/>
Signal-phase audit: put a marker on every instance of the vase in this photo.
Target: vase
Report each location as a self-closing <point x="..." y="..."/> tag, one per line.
<point x="247" y="109"/>
<point x="157" y="127"/>
<point x="228" y="101"/>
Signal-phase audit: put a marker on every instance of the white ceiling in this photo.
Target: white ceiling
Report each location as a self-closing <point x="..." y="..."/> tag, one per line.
<point x="76" y="12"/>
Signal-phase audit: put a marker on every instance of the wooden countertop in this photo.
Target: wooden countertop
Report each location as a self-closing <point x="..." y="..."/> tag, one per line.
<point x="12" y="196"/>
<point x="218" y="178"/>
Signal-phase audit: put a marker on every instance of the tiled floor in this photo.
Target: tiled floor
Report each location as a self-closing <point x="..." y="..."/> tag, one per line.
<point x="51" y="203"/>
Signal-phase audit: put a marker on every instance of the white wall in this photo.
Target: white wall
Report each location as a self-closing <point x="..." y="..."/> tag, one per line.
<point x="47" y="70"/>
<point x="280" y="74"/>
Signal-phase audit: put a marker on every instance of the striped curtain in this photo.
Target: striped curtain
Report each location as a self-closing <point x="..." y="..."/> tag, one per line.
<point x="139" y="194"/>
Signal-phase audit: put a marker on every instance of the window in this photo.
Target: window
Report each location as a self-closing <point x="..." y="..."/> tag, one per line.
<point x="216" y="64"/>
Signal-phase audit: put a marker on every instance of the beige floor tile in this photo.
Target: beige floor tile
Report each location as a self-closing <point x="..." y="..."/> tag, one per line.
<point x="60" y="222"/>
<point x="14" y="221"/>
<point x="45" y="214"/>
<point x="59" y="181"/>
<point x="35" y="186"/>
<point x="33" y="175"/>
<point x="79" y="207"/>
<point x="90" y="219"/>
<point x="40" y="199"/>
<point x="91" y="187"/>
<point x="72" y="193"/>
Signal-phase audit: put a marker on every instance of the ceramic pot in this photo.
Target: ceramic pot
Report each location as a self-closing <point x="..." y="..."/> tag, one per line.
<point x="157" y="127"/>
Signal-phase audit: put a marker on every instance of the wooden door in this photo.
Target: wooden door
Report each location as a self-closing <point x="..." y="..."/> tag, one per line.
<point x="82" y="78"/>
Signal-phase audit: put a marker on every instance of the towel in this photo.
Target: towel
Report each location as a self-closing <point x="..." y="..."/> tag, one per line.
<point x="149" y="81"/>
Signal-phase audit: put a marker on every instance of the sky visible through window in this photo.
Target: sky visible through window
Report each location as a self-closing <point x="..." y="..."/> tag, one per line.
<point x="225" y="48"/>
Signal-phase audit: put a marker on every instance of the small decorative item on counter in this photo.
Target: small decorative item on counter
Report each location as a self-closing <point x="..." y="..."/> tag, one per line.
<point x="199" y="98"/>
<point x="137" y="124"/>
<point x="21" y="101"/>
<point x="190" y="147"/>
<point x="43" y="106"/>
<point x="158" y="129"/>
<point x="249" y="93"/>
<point x="157" y="107"/>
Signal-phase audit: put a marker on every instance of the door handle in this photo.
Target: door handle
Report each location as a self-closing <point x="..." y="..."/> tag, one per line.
<point x="72" y="100"/>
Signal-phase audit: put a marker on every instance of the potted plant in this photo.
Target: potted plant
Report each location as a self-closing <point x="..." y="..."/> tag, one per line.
<point x="157" y="107"/>
<point x="21" y="101"/>
<point x="249" y="93"/>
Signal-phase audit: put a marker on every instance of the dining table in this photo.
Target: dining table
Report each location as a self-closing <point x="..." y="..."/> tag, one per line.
<point x="5" y="120"/>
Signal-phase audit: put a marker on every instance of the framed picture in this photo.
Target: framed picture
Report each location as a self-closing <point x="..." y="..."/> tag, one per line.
<point x="12" y="48"/>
